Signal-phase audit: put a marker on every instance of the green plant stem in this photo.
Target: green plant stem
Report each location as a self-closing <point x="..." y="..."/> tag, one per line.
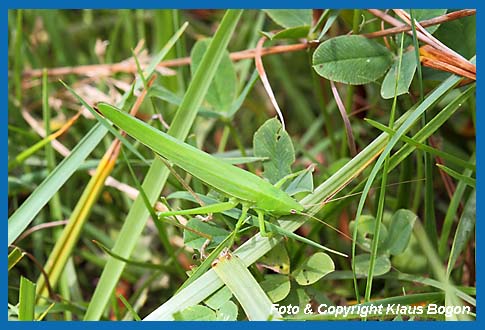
<point x="429" y="212"/>
<point x="382" y="192"/>
<point x="18" y="59"/>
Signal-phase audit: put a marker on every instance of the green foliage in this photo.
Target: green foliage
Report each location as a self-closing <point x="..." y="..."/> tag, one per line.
<point x="206" y="97"/>
<point x="464" y="231"/>
<point x="408" y="68"/>
<point x="290" y="18"/>
<point x="313" y="269"/>
<point x="352" y="60"/>
<point x="459" y="35"/>
<point x="296" y="22"/>
<point x="400" y="230"/>
<point x="362" y="264"/>
<point x="26" y="300"/>
<point x="272" y="142"/>
<point x="195" y="241"/>
<point x="222" y="91"/>
<point x="276" y="286"/>
<point x="196" y="313"/>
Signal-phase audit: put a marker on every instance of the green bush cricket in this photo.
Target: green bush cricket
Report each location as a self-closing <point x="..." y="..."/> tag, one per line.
<point x="244" y="187"/>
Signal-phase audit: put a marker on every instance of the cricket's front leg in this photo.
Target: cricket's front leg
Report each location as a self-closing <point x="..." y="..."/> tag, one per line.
<point x="240" y="222"/>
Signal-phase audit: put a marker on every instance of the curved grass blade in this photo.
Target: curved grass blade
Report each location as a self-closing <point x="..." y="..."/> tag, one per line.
<point x="421" y="146"/>
<point x="454" y="174"/>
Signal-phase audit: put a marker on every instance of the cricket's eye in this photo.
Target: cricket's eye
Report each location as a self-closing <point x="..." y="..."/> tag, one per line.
<point x="293" y="211"/>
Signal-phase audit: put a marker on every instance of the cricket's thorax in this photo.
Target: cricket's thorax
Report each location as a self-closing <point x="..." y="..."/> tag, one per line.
<point x="280" y="203"/>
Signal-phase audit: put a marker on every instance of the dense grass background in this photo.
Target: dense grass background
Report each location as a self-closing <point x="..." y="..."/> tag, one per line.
<point x="90" y="43"/>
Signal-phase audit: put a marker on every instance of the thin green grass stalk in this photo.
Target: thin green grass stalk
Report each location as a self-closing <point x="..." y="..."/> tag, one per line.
<point x="129" y="308"/>
<point x="52" y="19"/>
<point x="328" y="24"/>
<point x="157" y="174"/>
<point x="459" y="177"/>
<point x="129" y="34"/>
<point x="429" y="212"/>
<point x="137" y="297"/>
<point x="113" y="38"/>
<point x="135" y="263"/>
<point x="253" y="40"/>
<point x="451" y="213"/>
<point x="382" y="192"/>
<point x="464" y="231"/>
<point x="181" y="51"/>
<point x="404" y="191"/>
<point x="319" y="22"/>
<point x="55" y="203"/>
<point x="18" y="59"/>
<point x="223" y="142"/>
<point x="239" y="144"/>
<point x="418" y="193"/>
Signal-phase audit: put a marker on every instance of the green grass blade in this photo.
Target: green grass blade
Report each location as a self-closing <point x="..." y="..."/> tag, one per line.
<point x="130" y="308"/>
<point x="429" y="211"/>
<point x="36" y="201"/>
<point x="18" y="58"/>
<point x="232" y="271"/>
<point x="452" y="211"/>
<point x="382" y="192"/>
<point x="26" y="300"/>
<point x="464" y="231"/>
<point x="421" y="146"/>
<point x="454" y="174"/>
<point x="158" y="174"/>
<point x="14" y="257"/>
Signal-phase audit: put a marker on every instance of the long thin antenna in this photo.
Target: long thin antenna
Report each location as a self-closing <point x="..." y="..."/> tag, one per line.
<point x="326" y="224"/>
